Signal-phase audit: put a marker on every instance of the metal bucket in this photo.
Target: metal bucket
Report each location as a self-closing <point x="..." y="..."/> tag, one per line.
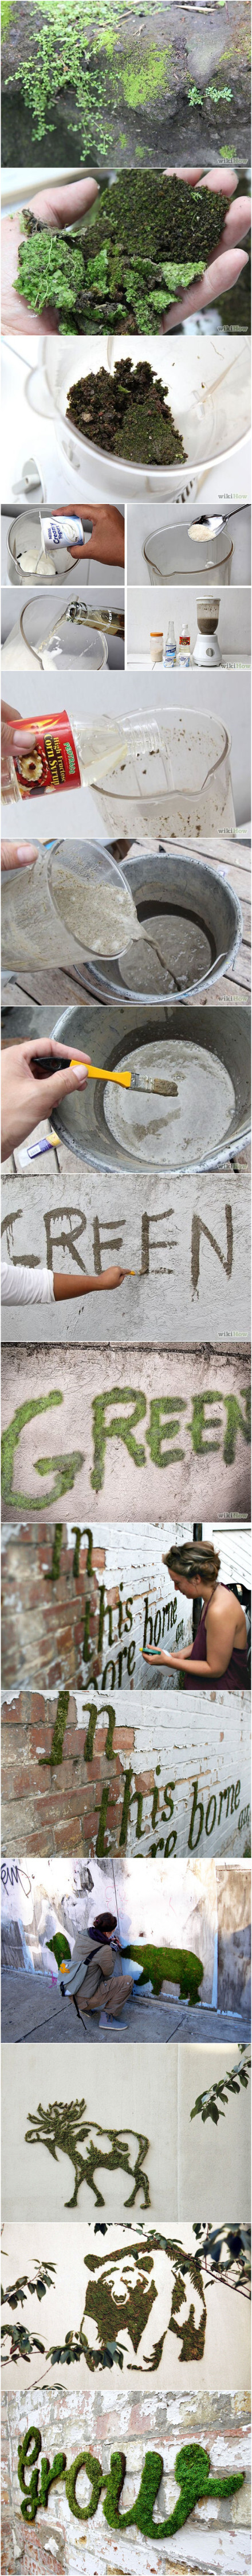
<point x="207" y="1054"/>
<point x="171" y="554"/>
<point x="200" y="899"/>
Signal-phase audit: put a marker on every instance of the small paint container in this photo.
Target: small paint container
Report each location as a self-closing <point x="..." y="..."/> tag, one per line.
<point x="61" y="530"/>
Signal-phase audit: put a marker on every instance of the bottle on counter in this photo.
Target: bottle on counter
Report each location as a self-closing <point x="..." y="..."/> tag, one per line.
<point x="170" y="650"/>
<point x="156" y="645"/>
<point x="184" y="651"/>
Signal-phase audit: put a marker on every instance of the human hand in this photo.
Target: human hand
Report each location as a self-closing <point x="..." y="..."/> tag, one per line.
<point x="113" y="1278"/>
<point x="226" y="265"/>
<point x="10" y="718"/>
<point x="155" y="1655"/>
<point x="107" y="541"/>
<point x="25" y="1100"/>
<point x="55" y="207"/>
<point x="18" y="854"/>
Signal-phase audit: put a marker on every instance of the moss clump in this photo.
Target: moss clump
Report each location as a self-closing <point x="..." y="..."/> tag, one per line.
<point x="60" y="1947"/>
<point x="86" y="2461"/>
<point x="63" y="2125"/>
<point x="127" y="414"/>
<point x="54" y="1569"/>
<point x="180" y="1965"/>
<point x="145" y="241"/>
<point x="50" y="1760"/>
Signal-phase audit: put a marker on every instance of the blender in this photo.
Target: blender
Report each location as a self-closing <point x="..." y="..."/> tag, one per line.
<point x="207" y="648"/>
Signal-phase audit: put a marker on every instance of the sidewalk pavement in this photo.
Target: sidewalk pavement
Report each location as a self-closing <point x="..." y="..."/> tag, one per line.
<point x="34" y="2009"/>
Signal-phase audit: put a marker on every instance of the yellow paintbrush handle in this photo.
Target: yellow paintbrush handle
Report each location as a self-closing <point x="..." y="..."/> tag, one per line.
<point x="98" y="1072"/>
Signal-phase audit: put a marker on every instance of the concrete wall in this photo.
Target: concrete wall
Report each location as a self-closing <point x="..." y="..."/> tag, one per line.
<point x="167" y="1903"/>
<point x="217" y="2536"/>
<point x="192" y="1904"/>
<point x="171" y="1431"/>
<point x="190" y="1785"/>
<point x="185" y="1241"/>
<point x="188" y="2164"/>
<point x="221" y="2330"/>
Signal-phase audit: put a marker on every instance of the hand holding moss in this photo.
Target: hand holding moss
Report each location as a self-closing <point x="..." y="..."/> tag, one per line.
<point x="156" y="241"/>
<point x="227" y="261"/>
<point x="53" y="207"/>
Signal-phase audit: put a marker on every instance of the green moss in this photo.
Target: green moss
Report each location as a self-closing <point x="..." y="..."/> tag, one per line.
<point x="64" y="1472"/>
<point x="192" y="2473"/>
<point x="49" y="1760"/>
<point x="235" y="1423"/>
<point x="119" y="1429"/>
<point x="28" y="2451"/>
<point x="86" y="2461"/>
<point x="126" y="1810"/>
<point x="146" y="239"/>
<point x="90" y="1737"/>
<point x="54" y="1569"/>
<point x="7" y="11"/>
<point x="63" y="2126"/>
<point x="151" y="79"/>
<point x="126" y="413"/>
<point x="60" y="1947"/>
<point x="181" y="1966"/>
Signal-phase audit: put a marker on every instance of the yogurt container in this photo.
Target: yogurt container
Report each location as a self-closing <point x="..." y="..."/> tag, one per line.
<point x="60" y="530"/>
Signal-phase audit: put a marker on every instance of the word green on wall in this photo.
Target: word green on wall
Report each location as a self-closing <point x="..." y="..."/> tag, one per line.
<point x="164" y="1436"/>
<point x="192" y="2472"/>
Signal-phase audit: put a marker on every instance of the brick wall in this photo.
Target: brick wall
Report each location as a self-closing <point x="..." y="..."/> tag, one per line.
<point x="157" y="1789"/>
<point x="44" y="1617"/>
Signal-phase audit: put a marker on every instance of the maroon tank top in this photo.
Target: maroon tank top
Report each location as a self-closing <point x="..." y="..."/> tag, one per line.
<point x="235" y="1677"/>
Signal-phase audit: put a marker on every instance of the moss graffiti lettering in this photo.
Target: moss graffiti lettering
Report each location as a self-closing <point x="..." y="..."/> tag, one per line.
<point x="161" y="1439"/>
<point x="65" y="1469"/>
<point x="192" y="2473"/>
<point x="164" y="1412"/>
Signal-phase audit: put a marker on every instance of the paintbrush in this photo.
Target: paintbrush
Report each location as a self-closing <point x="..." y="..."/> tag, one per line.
<point x="44" y="1065"/>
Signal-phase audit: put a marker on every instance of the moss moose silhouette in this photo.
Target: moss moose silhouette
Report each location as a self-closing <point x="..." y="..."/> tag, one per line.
<point x="64" y="2126"/>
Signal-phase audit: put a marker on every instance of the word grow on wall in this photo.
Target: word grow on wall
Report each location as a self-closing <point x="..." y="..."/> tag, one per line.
<point x="192" y="2472"/>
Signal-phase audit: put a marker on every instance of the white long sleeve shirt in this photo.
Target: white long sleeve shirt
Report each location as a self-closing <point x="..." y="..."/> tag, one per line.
<point x="23" y="1287"/>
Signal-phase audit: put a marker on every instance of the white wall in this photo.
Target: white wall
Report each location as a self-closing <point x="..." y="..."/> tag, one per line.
<point x="133" y="1560"/>
<point x="227" y="2324"/>
<point x="189" y="2164"/>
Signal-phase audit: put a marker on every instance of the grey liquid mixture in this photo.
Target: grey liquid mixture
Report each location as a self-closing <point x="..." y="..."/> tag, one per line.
<point x="172" y="954"/>
<point x="100" y="914"/>
<point x="178" y="1131"/>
